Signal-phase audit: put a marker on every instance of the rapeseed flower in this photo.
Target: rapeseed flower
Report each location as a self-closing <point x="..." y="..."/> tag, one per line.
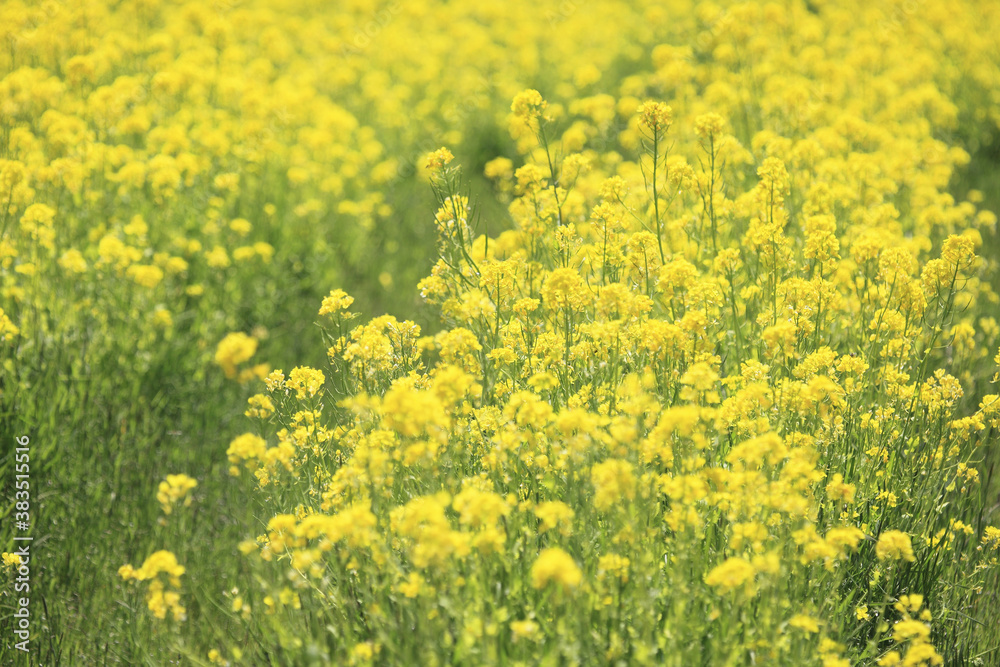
<point x="160" y="599"/>
<point x="174" y="489"/>
<point x="732" y="574"/>
<point x="555" y="566"/>
<point x="233" y="350"/>
<point x="762" y="340"/>
<point x="528" y="104"/>
<point x="894" y="545"/>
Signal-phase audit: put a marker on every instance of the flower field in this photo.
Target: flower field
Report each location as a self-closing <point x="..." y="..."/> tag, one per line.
<point x="506" y="333"/>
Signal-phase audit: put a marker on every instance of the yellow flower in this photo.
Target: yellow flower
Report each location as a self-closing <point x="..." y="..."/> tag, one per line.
<point x="890" y="659"/>
<point x="731" y="574"/>
<point x="909" y="629"/>
<point x="234" y="349"/>
<point x="991" y="537"/>
<point x="260" y="406"/>
<point x="159" y="600"/>
<point x="72" y="261"/>
<point x="564" y="288"/>
<point x="615" y="565"/>
<point x="218" y="258"/>
<point x="894" y="545"/>
<point x="413" y="412"/>
<point x="844" y="537"/>
<point x="708" y="125"/>
<point x="146" y="275"/>
<point x="478" y="508"/>
<point x="241" y="226"/>
<point x="656" y="116"/>
<point x="438" y="159"/>
<point x="337" y="300"/>
<point x="161" y="561"/>
<point x="412" y="586"/>
<point x="523" y="629"/>
<point x="305" y="381"/>
<point x="528" y="104"/>
<point x="499" y="168"/>
<point x="553" y="513"/>
<point x="959" y="252"/>
<point x="910" y="603"/>
<point x="804" y="622"/>
<point x="37" y="223"/>
<point x="835" y="661"/>
<point x="162" y="318"/>
<point x="363" y="651"/>
<point x="614" y="483"/>
<point x="555" y="566"/>
<point x="174" y="489"/>
<point x="838" y="489"/>
<point x="246" y="447"/>
<point x="922" y="653"/>
<point x="7" y="328"/>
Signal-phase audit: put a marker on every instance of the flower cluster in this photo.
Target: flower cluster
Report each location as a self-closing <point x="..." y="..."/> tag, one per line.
<point x="711" y="377"/>
<point x="716" y="402"/>
<point x="161" y="596"/>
